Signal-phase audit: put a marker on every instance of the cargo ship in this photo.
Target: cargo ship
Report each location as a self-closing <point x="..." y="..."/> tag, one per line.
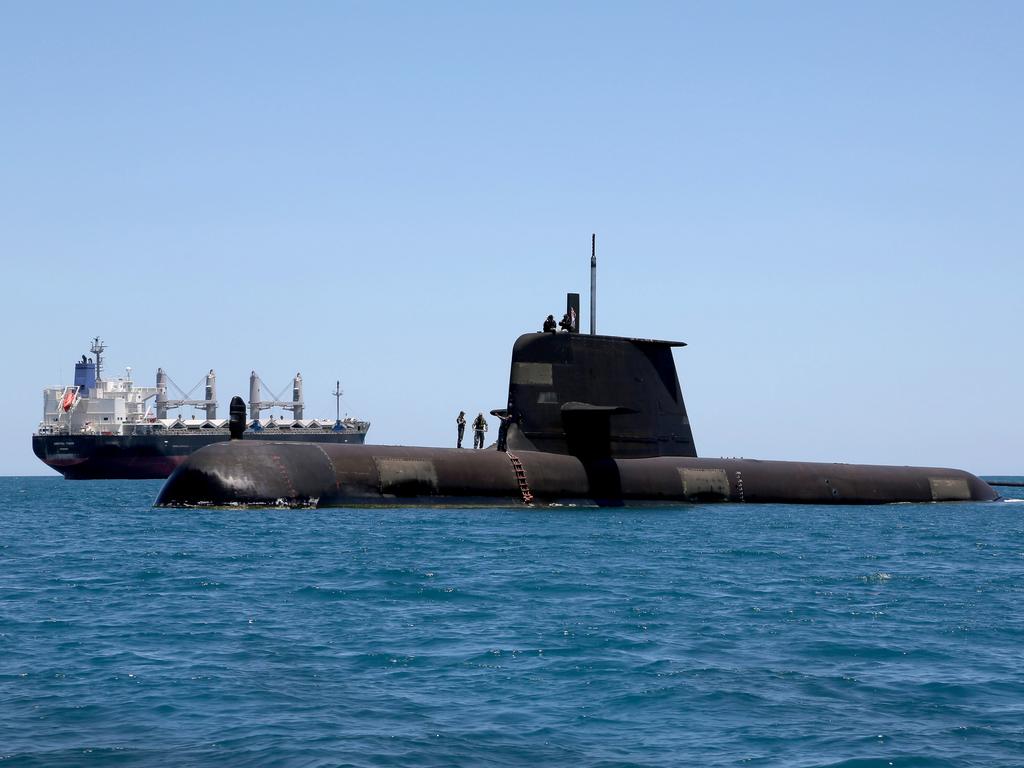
<point x="101" y="429"/>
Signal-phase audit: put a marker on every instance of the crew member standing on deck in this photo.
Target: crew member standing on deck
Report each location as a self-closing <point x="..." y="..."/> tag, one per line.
<point x="479" y="427"/>
<point x="506" y="419"/>
<point x="461" y="423"/>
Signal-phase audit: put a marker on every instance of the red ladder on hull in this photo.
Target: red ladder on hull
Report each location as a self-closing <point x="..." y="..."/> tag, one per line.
<point x="524" y="486"/>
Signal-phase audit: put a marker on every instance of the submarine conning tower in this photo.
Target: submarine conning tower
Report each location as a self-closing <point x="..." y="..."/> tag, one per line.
<point x="597" y="396"/>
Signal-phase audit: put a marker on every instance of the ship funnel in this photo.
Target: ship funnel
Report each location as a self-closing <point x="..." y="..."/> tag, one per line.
<point x="211" y="395"/>
<point x="85" y="376"/>
<point x="161" y="394"/>
<point x="297" y="397"/>
<point x="254" y="396"/>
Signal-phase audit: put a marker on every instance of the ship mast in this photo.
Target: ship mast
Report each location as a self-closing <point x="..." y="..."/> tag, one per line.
<point x="593" y="284"/>
<point x="337" y="402"/>
<point x="98" y="348"/>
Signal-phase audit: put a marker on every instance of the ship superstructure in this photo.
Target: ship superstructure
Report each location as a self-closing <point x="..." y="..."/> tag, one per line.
<point x="112" y="428"/>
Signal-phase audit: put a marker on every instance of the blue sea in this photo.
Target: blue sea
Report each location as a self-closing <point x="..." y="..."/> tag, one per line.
<point x="708" y="635"/>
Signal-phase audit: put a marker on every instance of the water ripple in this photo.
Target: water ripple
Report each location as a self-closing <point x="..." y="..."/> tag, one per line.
<point x="710" y="635"/>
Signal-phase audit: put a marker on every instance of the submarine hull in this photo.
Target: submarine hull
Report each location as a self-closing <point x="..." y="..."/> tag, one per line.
<point x="268" y="473"/>
<point x="591" y="419"/>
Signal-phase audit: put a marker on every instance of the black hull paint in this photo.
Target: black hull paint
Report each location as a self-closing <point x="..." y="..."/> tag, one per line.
<point x="251" y="473"/>
<point x="148" y="457"/>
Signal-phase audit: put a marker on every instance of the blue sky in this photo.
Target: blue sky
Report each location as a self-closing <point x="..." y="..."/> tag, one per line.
<point x="822" y="199"/>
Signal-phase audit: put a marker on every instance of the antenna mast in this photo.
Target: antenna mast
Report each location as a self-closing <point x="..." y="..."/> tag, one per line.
<point x="593" y="284"/>
<point x="337" y="401"/>
<point x="98" y="348"/>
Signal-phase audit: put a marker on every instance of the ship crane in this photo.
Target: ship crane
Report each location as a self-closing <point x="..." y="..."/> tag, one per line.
<point x="164" y="403"/>
<point x="257" y="404"/>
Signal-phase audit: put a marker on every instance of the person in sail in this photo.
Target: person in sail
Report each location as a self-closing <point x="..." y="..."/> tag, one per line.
<point x="506" y="420"/>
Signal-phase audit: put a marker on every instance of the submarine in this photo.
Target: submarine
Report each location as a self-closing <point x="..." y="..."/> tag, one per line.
<point x="589" y="420"/>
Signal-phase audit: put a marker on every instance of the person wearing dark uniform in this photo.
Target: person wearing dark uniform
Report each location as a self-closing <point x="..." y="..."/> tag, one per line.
<point x="479" y="427"/>
<point x="461" y="423"/>
<point x="550" y="325"/>
<point x="505" y="420"/>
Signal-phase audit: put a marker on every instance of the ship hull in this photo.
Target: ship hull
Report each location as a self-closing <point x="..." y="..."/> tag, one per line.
<point x="148" y="457"/>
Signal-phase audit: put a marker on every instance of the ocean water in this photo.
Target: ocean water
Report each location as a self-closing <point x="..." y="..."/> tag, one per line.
<point x="711" y="635"/>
